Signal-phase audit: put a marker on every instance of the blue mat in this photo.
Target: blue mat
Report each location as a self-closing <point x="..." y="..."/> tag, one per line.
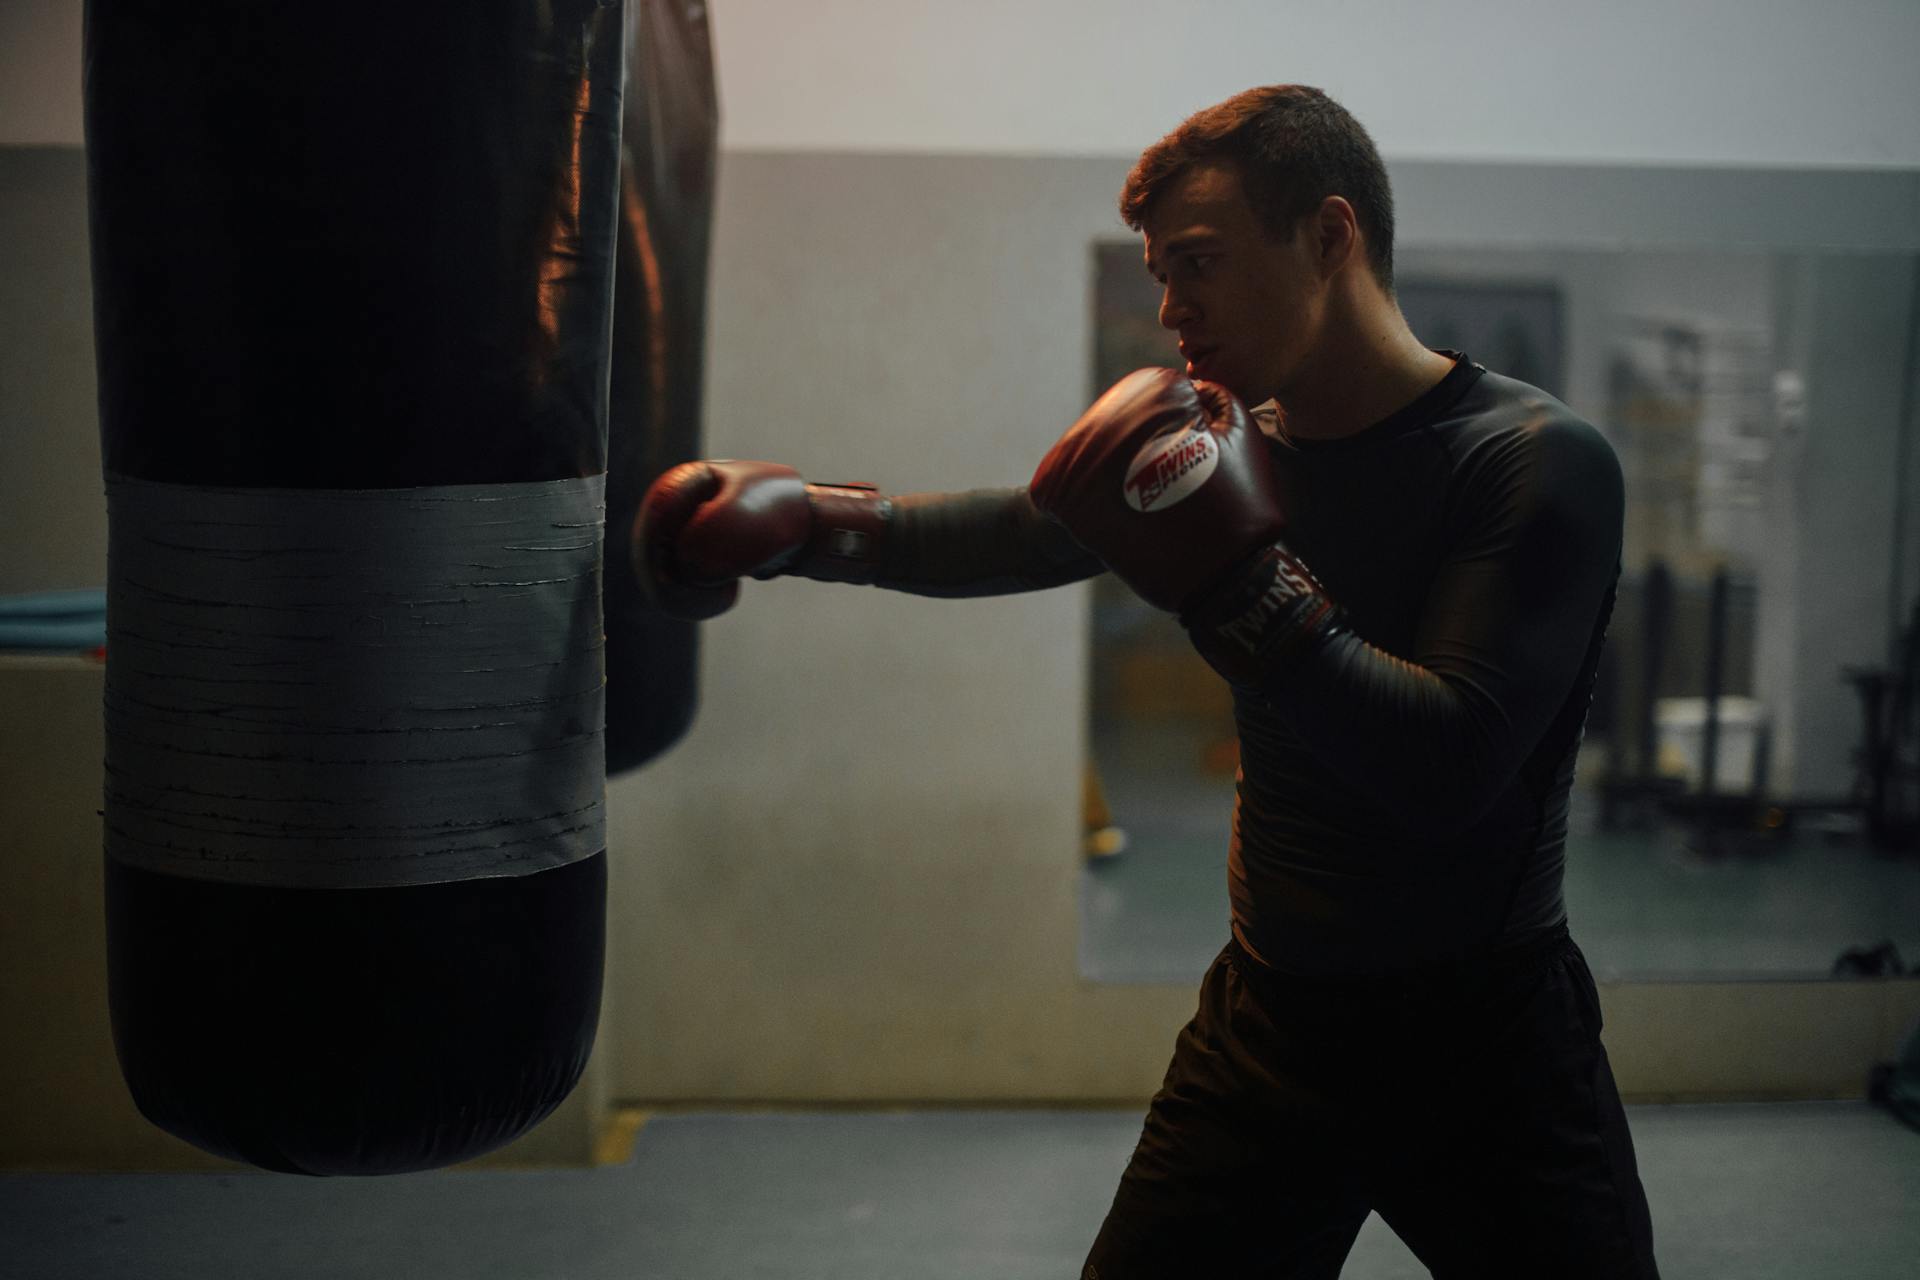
<point x="55" y="620"/>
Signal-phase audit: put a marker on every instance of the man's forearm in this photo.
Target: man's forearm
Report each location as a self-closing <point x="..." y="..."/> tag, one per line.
<point x="981" y="542"/>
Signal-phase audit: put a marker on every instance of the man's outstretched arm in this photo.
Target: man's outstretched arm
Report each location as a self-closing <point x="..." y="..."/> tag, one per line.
<point x="705" y="525"/>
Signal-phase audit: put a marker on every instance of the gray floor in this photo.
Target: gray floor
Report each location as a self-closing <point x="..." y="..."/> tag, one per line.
<point x="1794" y="1191"/>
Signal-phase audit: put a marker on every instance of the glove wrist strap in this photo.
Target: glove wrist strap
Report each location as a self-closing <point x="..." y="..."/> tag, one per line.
<point x="1270" y="607"/>
<point x="849" y="538"/>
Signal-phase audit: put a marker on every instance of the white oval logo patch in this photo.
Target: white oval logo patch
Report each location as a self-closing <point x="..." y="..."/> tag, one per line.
<point x="1170" y="467"/>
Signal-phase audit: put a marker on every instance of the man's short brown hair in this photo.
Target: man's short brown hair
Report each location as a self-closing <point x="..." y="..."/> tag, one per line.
<point x="1293" y="146"/>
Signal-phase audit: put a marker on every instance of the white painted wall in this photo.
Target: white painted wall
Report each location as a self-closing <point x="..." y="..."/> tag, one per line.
<point x="40" y="72"/>
<point x="53" y="528"/>
<point x="1763" y="82"/>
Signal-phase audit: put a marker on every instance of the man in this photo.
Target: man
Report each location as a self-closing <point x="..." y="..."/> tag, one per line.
<point x="1405" y="573"/>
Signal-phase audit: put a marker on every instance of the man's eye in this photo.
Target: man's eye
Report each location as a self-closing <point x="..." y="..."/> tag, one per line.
<point x="1200" y="261"/>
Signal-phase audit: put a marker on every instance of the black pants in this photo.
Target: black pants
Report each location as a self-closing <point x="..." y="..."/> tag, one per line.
<point x="1471" y="1105"/>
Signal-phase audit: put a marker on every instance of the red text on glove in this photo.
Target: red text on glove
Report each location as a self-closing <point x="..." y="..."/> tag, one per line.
<point x="1169" y="468"/>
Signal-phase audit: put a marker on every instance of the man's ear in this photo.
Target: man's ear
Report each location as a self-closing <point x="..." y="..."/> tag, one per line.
<point x="1336" y="232"/>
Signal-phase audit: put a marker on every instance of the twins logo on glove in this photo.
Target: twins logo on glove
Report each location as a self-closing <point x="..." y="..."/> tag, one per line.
<point x="1156" y="444"/>
<point x="1170" y="468"/>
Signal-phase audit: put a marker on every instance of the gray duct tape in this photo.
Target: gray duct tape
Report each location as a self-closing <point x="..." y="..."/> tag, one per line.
<point x="354" y="688"/>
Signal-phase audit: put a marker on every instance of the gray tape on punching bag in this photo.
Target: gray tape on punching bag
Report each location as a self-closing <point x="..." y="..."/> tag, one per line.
<point x="354" y="688"/>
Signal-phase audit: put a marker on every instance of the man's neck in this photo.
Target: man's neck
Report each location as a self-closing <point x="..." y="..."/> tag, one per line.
<point x="1377" y="372"/>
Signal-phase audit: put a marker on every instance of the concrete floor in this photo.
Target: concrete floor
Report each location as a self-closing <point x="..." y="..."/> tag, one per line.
<point x="1792" y="1191"/>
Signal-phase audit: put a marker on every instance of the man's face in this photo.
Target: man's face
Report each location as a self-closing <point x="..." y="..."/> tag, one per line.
<point x="1246" y="304"/>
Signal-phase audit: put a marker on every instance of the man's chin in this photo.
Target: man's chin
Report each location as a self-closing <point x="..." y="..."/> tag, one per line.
<point x="1209" y="368"/>
<point x="1239" y="389"/>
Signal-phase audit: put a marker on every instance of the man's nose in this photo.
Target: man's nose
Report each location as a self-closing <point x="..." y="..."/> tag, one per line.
<point x="1174" y="310"/>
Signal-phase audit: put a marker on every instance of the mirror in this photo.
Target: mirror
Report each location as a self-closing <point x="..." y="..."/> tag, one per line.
<point x="1747" y="799"/>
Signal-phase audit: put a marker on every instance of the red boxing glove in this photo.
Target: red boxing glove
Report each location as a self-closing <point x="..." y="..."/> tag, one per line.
<point x="1167" y="481"/>
<point x="705" y="525"/>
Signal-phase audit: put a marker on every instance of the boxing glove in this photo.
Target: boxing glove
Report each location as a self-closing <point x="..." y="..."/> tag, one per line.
<point x="703" y="526"/>
<point x="1168" y="482"/>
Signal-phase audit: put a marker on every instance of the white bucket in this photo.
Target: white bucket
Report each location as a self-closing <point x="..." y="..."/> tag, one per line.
<point x="1679" y="726"/>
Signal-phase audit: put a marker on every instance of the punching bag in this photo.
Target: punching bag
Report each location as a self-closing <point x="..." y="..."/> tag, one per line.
<point x="669" y="133"/>
<point x="352" y="272"/>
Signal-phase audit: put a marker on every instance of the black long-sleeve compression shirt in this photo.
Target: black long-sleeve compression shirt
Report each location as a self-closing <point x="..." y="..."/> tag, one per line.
<point x="1405" y="773"/>
<point x="984" y="542"/>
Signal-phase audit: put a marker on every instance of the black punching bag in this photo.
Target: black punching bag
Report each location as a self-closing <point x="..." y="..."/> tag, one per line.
<point x="668" y="139"/>
<point x="352" y="269"/>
